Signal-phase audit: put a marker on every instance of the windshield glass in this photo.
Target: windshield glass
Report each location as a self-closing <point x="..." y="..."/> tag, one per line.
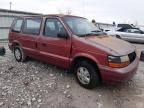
<point x="81" y="26"/>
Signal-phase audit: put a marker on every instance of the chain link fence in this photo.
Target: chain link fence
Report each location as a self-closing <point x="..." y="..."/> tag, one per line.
<point x="4" y="43"/>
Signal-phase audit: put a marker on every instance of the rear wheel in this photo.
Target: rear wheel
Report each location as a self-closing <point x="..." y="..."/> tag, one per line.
<point x="19" y="54"/>
<point x="87" y="74"/>
<point x="2" y="51"/>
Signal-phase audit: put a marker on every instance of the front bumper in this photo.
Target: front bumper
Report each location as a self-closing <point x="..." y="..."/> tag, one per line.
<point x="111" y="75"/>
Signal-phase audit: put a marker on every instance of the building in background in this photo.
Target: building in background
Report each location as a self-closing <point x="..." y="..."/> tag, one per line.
<point x="6" y="18"/>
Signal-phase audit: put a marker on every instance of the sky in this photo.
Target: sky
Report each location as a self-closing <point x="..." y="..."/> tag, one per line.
<point x="106" y="11"/>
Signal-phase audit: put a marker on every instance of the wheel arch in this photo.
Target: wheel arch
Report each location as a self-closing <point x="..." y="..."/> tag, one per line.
<point x="15" y="43"/>
<point x="90" y="59"/>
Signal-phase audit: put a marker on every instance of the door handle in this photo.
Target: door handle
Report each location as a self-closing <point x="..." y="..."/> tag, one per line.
<point x="44" y="44"/>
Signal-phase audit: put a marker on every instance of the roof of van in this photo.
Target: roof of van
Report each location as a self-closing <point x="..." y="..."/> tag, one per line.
<point x="52" y="15"/>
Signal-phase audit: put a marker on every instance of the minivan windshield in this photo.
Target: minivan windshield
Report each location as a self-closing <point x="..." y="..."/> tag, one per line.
<point x="82" y="27"/>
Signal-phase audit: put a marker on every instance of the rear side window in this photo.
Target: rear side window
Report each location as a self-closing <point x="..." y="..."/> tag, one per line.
<point x="17" y="25"/>
<point x="32" y="26"/>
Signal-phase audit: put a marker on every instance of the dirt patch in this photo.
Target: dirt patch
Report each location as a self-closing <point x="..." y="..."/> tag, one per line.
<point x="34" y="84"/>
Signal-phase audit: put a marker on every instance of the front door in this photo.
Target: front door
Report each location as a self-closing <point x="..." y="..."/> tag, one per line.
<point x="137" y="35"/>
<point x="53" y="49"/>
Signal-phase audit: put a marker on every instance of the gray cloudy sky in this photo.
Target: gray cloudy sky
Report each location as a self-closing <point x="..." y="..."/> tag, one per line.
<point x="128" y="11"/>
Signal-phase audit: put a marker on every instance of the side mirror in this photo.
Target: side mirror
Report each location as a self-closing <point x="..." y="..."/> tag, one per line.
<point x="142" y="55"/>
<point x="62" y="35"/>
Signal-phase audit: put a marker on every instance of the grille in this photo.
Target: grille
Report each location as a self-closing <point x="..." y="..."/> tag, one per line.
<point x="132" y="56"/>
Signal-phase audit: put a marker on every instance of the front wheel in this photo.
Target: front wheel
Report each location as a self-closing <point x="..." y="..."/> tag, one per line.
<point x="87" y="74"/>
<point x="117" y="36"/>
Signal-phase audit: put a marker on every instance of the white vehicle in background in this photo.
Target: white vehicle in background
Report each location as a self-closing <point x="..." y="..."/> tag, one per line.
<point x="129" y="34"/>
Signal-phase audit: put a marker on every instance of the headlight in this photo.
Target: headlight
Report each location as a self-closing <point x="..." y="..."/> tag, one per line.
<point x="118" y="61"/>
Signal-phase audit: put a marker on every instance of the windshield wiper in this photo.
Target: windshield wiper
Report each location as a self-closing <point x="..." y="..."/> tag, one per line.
<point x="93" y="33"/>
<point x="96" y="31"/>
<point x="88" y="34"/>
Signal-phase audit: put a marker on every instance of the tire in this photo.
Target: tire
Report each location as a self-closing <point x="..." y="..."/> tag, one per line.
<point x="93" y="76"/>
<point x="2" y="51"/>
<point x="117" y="36"/>
<point x="19" y="54"/>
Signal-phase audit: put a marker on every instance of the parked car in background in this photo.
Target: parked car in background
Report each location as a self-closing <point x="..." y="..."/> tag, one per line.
<point x="128" y="34"/>
<point x="73" y="43"/>
<point x="125" y="26"/>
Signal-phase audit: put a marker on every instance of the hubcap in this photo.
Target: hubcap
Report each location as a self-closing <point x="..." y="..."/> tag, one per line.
<point x="17" y="54"/>
<point x="83" y="75"/>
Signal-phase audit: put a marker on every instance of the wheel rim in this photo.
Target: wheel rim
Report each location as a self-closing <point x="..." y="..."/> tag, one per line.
<point x="17" y="54"/>
<point x="83" y="75"/>
<point x="118" y="37"/>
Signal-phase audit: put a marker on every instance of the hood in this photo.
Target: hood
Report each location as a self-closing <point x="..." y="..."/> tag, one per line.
<point x="120" y="47"/>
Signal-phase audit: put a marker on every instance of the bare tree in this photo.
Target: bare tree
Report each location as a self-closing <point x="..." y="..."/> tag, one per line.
<point x="136" y="23"/>
<point x="67" y="12"/>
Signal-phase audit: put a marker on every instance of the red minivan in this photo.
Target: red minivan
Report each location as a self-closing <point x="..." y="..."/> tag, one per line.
<point x="72" y="42"/>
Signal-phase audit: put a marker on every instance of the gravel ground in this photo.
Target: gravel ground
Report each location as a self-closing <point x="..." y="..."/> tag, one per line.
<point x="34" y="84"/>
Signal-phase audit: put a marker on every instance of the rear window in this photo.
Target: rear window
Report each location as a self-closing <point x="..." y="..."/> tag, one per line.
<point x="17" y="25"/>
<point x="32" y="26"/>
